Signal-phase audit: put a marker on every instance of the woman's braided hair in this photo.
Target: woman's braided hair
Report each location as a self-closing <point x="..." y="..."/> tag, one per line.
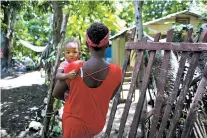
<point x="96" y="32"/>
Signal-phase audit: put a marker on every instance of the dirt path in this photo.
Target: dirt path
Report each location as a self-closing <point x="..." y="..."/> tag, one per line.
<point x="22" y="99"/>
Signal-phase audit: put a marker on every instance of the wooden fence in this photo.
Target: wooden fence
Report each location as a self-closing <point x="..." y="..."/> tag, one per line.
<point x="155" y="115"/>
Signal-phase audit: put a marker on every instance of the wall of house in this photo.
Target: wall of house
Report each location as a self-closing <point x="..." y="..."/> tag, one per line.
<point x="118" y="50"/>
<point x="118" y="43"/>
<point x="165" y="25"/>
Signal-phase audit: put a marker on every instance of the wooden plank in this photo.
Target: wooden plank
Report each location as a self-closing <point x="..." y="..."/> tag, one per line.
<point x="203" y="37"/>
<point x="142" y="70"/>
<point x="150" y="113"/>
<point x="173" y="95"/>
<point x="132" y="35"/>
<point x="118" y="51"/>
<point x="193" y="111"/>
<point x="140" y="103"/>
<point x="200" y="127"/>
<point x="147" y="115"/>
<point x="161" y="86"/>
<point x="189" y="35"/>
<point x="167" y="46"/>
<point x="144" y="85"/>
<point x="193" y="64"/>
<point x="138" y="64"/>
<point x="184" y="90"/>
<point x="194" y="81"/>
<point x="117" y="97"/>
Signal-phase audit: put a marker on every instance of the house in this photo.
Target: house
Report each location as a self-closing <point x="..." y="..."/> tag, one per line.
<point x="158" y="25"/>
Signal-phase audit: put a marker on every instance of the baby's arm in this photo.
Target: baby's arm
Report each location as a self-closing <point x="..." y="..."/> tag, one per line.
<point x="60" y="75"/>
<point x="63" y="76"/>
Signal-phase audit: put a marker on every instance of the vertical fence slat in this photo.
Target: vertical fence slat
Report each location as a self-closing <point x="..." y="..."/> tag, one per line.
<point x="188" y="36"/>
<point x="189" y="122"/>
<point x="139" y="107"/>
<point x="191" y="116"/>
<point x="189" y="76"/>
<point x="184" y="90"/>
<point x="203" y="37"/>
<point x="138" y="64"/>
<point x="197" y="122"/>
<point x="202" y="127"/>
<point x="117" y="97"/>
<point x="160" y="88"/>
<point x="173" y="95"/>
<point x="140" y="103"/>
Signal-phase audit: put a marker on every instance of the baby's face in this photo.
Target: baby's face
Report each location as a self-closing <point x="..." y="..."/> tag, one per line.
<point x="72" y="52"/>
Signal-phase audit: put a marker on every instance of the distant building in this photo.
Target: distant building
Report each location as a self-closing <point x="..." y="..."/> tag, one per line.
<point x="158" y="25"/>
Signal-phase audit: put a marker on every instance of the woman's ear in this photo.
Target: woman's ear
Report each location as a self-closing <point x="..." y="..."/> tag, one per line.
<point x="89" y="48"/>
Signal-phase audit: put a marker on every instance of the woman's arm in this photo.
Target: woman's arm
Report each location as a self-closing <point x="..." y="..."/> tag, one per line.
<point x="59" y="89"/>
<point x="118" y="77"/>
<point x="115" y="91"/>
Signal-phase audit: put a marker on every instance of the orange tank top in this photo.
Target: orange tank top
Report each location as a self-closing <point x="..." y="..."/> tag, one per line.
<point x="90" y="105"/>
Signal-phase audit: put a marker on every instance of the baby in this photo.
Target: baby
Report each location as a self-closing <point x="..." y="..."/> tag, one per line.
<point x="71" y="53"/>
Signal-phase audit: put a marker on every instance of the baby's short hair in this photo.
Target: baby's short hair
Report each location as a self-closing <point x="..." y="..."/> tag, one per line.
<point x="72" y="41"/>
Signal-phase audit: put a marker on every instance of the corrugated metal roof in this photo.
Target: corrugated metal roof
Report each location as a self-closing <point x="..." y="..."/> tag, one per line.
<point x="160" y="19"/>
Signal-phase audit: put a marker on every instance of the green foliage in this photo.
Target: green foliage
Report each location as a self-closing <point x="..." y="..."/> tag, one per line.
<point x="151" y="10"/>
<point x="156" y="9"/>
<point x="179" y="30"/>
<point x="56" y="131"/>
<point x="199" y="30"/>
<point x="125" y="11"/>
<point x="33" y="20"/>
<point x="42" y="6"/>
<point x="199" y="7"/>
<point x="12" y="5"/>
<point x="83" y="14"/>
<point x="33" y="27"/>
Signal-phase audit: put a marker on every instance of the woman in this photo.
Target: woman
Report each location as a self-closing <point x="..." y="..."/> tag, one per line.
<point x="96" y="84"/>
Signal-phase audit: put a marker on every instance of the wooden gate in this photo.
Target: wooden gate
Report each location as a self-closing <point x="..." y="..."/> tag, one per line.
<point x="155" y="115"/>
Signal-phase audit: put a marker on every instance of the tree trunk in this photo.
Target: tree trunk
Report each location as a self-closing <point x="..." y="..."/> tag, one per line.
<point x="139" y="32"/>
<point x="139" y="28"/>
<point x="57" y="22"/>
<point x="138" y="17"/>
<point x="58" y="36"/>
<point x="7" y="14"/>
<point x="10" y="33"/>
<point x="5" y="45"/>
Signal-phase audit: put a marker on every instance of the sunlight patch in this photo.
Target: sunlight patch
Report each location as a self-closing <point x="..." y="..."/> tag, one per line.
<point x="3" y="133"/>
<point x="33" y="108"/>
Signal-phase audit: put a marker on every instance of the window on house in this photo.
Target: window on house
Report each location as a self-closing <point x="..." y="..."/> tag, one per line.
<point x="183" y="20"/>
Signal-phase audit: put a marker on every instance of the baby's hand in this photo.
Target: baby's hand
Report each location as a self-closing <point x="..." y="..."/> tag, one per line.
<point x="71" y="75"/>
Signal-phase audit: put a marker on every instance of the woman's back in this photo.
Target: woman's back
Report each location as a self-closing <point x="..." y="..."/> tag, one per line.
<point x="90" y="104"/>
<point x="94" y="72"/>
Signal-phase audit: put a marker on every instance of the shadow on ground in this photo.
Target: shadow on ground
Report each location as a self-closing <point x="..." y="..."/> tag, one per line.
<point x="21" y="105"/>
